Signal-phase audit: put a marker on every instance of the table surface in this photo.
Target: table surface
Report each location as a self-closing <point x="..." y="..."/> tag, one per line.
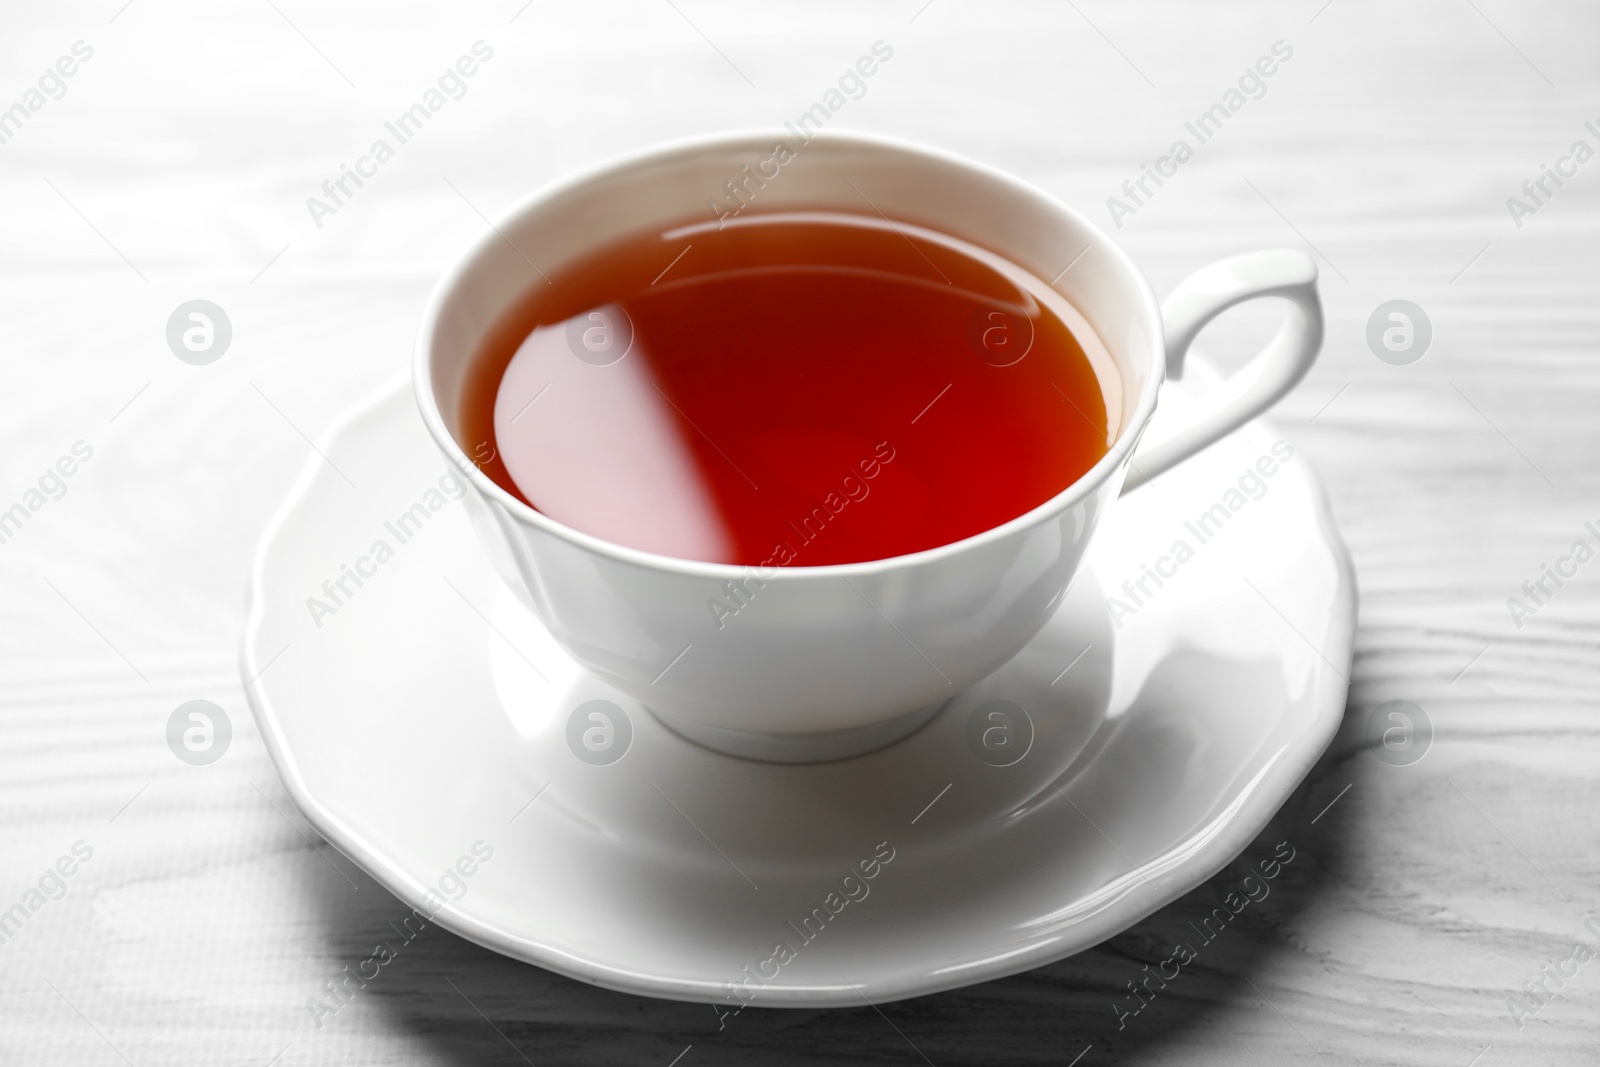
<point x="175" y="163"/>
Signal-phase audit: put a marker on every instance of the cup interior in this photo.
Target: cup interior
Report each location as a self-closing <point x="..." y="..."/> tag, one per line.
<point x="851" y="173"/>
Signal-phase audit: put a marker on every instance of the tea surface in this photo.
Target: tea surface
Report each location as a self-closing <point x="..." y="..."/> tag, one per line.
<point x="792" y="389"/>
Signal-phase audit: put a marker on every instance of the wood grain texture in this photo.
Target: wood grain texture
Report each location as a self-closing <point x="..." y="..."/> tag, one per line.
<point x="177" y="164"/>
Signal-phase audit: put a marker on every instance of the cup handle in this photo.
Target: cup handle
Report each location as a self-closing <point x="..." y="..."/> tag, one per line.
<point x="1281" y="272"/>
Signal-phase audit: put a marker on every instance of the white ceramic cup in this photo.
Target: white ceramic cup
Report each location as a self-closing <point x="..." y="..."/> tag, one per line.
<point x="828" y="662"/>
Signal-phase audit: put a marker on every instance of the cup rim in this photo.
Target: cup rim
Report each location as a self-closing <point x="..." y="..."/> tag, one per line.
<point x="1084" y="486"/>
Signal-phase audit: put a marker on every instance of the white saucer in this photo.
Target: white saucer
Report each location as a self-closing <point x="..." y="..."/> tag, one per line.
<point x="415" y="731"/>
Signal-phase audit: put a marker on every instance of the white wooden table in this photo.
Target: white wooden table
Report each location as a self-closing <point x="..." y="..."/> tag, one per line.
<point x="176" y="164"/>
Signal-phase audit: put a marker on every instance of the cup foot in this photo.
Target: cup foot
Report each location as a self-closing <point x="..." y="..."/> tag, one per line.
<point x="800" y="748"/>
